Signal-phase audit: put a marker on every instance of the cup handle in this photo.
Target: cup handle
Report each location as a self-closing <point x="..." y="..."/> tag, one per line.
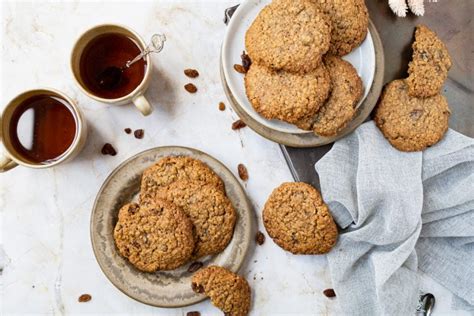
<point x="142" y="104"/>
<point x="6" y="163"/>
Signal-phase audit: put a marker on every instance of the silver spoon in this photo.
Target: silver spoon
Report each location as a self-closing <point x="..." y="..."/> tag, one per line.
<point x="111" y="76"/>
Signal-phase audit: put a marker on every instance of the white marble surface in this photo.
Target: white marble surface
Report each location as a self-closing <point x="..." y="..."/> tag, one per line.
<point x="48" y="259"/>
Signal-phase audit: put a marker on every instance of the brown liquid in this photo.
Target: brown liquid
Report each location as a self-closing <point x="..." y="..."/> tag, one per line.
<point x="107" y="50"/>
<point x="42" y="128"/>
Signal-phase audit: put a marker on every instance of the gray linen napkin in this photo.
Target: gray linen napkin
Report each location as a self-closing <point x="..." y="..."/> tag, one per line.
<point x="400" y="212"/>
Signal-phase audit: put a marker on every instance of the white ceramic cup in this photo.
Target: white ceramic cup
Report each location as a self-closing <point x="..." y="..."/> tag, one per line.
<point x="12" y="158"/>
<point x="137" y="95"/>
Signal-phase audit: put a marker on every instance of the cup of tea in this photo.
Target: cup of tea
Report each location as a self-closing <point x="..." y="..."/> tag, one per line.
<point x="41" y="128"/>
<point x="112" y="46"/>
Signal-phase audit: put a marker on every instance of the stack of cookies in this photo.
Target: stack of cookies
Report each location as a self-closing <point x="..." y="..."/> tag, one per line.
<point x="183" y="214"/>
<point x="412" y="114"/>
<point x="297" y="74"/>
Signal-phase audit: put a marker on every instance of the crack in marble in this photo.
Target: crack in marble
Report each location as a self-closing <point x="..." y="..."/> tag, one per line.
<point x="58" y="281"/>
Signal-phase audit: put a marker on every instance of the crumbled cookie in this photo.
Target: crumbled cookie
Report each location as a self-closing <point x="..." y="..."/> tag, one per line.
<point x="286" y="96"/>
<point x="350" y="21"/>
<point x="298" y="220"/>
<point x="228" y="291"/>
<point x="155" y="236"/>
<point x="409" y="123"/>
<point x="292" y="35"/>
<point x="347" y="89"/>
<point x="430" y="64"/>
<point x="173" y="168"/>
<point x="210" y="211"/>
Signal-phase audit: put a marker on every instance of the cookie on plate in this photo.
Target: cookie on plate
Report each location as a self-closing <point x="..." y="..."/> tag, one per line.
<point x="156" y="236"/>
<point x="210" y="211"/>
<point x="174" y="168"/>
<point x="430" y="64"/>
<point x="286" y="96"/>
<point x="350" y="22"/>
<point x="347" y="89"/>
<point x="409" y="123"/>
<point x="228" y="291"/>
<point x="292" y="35"/>
<point x="298" y="220"/>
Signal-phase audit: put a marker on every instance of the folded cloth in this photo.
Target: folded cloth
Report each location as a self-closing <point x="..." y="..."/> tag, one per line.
<point x="399" y="212"/>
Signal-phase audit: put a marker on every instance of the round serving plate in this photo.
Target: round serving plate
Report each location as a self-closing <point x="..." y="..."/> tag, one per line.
<point x="164" y="288"/>
<point x="367" y="59"/>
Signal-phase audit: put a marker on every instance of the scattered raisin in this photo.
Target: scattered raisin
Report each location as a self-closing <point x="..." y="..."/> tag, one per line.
<point x="329" y="293"/>
<point x="246" y="62"/>
<point x="260" y="238"/>
<point x="195" y="313"/>
<point x="84" y="298"/>
<point x="193" y="267"/>
<point x="139" y="133"/>
<point x="128" y="130"/>
<point x="243" y="173"/>
<point x="197" y="288"/>
<point x="240" y="68"/>
<point x="221" y="106"/>
<point x="191" y="88"/>
<point x="191" y="73"/>
<point x="238" y="125"/>
<point x="108" y="149"/>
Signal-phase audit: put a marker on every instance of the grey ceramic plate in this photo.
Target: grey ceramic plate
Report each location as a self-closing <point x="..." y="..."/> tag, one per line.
<point x="170" y="288"/>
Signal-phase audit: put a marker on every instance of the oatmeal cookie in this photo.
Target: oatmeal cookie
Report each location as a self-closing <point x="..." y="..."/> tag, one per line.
<point x="228" y="291"/>
<point x="210" y="211"/>
<point x="346" y="92"/>
<point x="298" y="221"/>
<point x="156" y="236"/>
<point x="292" y="35"/>
<point x="175" y="168"/>
<point x="286" y="96"/>
<point x="409" y="123"/>
<point x="430" y="64"/>
<point x="350" y="22"/>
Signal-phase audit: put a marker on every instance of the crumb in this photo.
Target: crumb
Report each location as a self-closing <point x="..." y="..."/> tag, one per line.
<point x="190" y="88"/>
<point x="84" y="298"/>
<point x="243" y="173"/>
<point x="108" y="149"/>
<point x="139" y="133"/>
<point x="191" y="73"/>
<point x="221" y="106"/>
<point x="238" y="125"/>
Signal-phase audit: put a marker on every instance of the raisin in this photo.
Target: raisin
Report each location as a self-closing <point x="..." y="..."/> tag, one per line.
<point x="197" y="288"/>
<point x="260" y="238"/>
<point x="108" y="149"/>
<point x="246" y="62"/>
<point x="193" y="267"/>
<point x="240" y="68"/>
<point x="329" y="293"/>
<point x="128" y="130"/>
<point x="221" y="106"/>
<point x="84" y="298"/>
<point x="191" y="73"/>
<point x="191" y="88"/>
<point x="194" y="313"/>
<point x="243" y="173"/>
<point x="238" y="125"/>
<point x="139" y="133"/>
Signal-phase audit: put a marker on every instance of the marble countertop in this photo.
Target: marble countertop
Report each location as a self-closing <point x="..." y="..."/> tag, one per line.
<point x="46" y="255"/>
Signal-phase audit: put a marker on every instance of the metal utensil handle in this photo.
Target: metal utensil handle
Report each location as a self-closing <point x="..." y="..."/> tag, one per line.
<point x="156" y="45"/>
